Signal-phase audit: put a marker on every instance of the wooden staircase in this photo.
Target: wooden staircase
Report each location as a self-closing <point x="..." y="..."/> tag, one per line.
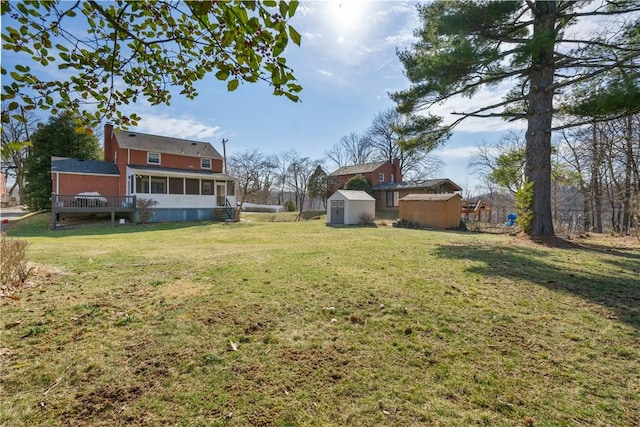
<point x="225" y="214"/>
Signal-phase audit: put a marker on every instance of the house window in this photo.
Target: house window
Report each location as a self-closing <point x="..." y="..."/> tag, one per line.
<point x="192" y="186"/>
<point x="205" y="163"/>
<point x="207" y="187"/>
<point x="153" y="158"/>
<point x="159" y="185"/>
<point x="332" y="180"/>
<point x="393" y="199"/>
<point x="380" y="177"/>
<point x="142" y="184"/>
<point x="392" y="178"/>
<point x="176" y="186"/>
<point x="231" y="188"/>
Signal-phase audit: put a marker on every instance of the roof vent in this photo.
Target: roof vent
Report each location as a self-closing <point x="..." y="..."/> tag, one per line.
<point x="193" y="143"/>
<point x="132" y="135"/>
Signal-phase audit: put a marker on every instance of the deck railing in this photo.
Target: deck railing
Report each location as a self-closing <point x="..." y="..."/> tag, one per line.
<point x="92" y="203"/>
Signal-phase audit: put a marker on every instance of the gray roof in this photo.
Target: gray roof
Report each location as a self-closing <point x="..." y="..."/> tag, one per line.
<point x="164" y="144"/>
<point x="415" y="185"/>
<point x="441" y="197"/>
<point x="356" y="169"/>
<point x="95" y="167"/>
<point x="352" y="195"/>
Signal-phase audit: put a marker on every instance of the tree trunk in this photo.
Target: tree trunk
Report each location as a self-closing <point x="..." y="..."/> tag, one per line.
<point x="596" y="159"/>
<point x="628" y="176"/>
<point x="540" y="114"/>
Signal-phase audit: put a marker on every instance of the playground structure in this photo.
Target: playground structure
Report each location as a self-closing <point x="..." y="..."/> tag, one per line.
<point x="476" y="210"/>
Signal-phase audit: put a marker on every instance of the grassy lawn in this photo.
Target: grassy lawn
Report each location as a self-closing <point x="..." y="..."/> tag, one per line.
<point x="297" y="323"/>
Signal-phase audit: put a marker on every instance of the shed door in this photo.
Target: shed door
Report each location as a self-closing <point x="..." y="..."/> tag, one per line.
<point x="337" y="212"/>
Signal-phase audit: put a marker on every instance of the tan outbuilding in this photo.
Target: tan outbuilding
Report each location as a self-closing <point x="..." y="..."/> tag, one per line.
<point x="432" y="210"/>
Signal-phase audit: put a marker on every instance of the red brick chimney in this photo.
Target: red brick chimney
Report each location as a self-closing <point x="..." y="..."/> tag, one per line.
<point x="397" y="173"/>
<point x="108" y="143"/>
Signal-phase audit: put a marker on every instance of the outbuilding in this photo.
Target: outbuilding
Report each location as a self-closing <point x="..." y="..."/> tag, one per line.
<point x="350" y="207"/>
<point x="432" y="210"/>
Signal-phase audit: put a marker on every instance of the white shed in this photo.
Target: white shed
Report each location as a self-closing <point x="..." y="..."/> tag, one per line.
<point x="350" y="207"/>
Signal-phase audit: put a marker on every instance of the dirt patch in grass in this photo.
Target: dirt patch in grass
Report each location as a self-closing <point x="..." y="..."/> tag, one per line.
<point x="181" y="288"/>
<point x="106" y="398"/>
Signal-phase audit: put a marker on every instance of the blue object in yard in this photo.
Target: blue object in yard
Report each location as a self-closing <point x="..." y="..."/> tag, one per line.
<point x="511" y="220"/>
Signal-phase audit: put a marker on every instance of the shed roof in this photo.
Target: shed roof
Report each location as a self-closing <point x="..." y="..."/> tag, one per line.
<point x="415" y="185"/>
<point x="353" y="195"/>
<point x="94" y="167"/>
<point x="356" y="169"/>
<point x="164" y="144"/>
<point x="441" y="197"/>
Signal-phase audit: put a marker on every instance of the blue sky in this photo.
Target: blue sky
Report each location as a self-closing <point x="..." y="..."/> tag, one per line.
<point x="347" y="65"/>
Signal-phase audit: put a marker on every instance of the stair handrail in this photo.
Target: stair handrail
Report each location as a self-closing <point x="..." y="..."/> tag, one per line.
<point x="229" y="208"/>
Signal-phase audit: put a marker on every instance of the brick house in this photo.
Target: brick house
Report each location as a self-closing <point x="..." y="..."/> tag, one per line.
<point x="387" y="185"/>
<point x="377" y="173"/>
<point x="184" y="177"/>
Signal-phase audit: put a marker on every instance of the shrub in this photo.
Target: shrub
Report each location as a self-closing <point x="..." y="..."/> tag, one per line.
<point x="524" y="200"/>
<point x="290" y="206"/>
<point x="358" y="183"/>
<point x="366" y="219"/>
<point x="144" y="208"/>
<point x="14" y="271"/>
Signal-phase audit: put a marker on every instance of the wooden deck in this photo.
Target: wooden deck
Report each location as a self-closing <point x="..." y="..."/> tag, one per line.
<point x="80" y="203"/>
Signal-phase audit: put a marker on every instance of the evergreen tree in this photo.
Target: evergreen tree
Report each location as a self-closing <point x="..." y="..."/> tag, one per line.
<point x="60" y="137"/>
<point x="358" y="183"/>
<point x="317" y="186"/>
<point x="467" y="45"/>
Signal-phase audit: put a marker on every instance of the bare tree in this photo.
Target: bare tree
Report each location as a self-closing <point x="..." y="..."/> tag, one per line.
<point x="353" y="149"/>
<point x="281" y="162"/>
<point x="16" y="146"/>
<point x="298" y="174"/>
<point x="252" y="171"/>
<point x="498" y="163"/>
<point x="606" y="158"/>
<point x="386" y="135"/>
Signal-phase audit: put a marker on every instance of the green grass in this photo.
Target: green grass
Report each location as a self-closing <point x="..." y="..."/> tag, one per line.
<point x="333" y="326"/>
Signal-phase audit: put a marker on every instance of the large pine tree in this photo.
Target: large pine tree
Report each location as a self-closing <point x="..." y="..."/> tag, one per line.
<point x="464" y="46"/>
<point x="59" y="137"/>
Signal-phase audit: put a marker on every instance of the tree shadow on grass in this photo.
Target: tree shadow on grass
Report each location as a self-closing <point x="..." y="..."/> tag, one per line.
<point x="619" y="293"/>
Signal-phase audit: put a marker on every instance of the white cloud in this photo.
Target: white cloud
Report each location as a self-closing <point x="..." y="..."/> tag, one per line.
<point x="179" y="127"/>
<point x="307" y="36"/>
<point x="457" y="153"/>
<point x="484" y="97"/>
<point x="325" y="72"/>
